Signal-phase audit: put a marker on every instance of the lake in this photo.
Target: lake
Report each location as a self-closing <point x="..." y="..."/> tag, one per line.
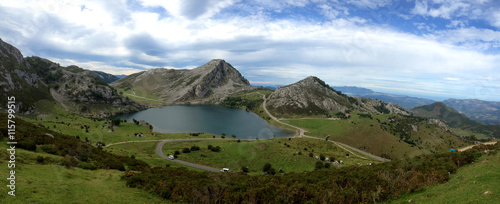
<point x="213" y="119"/>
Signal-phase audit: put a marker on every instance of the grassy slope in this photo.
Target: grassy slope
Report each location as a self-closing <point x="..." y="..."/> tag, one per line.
<point x="360" y="133"/>
<point x="54" y="114"/>
<point x="53" y="183"/>
<point x="468" y="185"/>
<point x="254" y="154"/>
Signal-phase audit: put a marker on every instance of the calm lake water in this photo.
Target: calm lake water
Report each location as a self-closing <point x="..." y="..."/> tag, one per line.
<point x="211" y="119"/>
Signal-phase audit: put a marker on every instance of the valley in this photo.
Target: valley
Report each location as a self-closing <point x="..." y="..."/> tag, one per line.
<point x="367" y="147"/>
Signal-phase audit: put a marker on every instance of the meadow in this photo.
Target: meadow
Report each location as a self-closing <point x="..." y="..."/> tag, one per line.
<point x="288" y="155"/>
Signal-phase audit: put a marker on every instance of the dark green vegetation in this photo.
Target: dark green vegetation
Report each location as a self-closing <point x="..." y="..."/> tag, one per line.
<point x="249" y="100"/>
<point x="476" y="183"/>
<point x="76" y="153"/>
<point x="391" y="136"/>
<point x="465" y="126"/>
<point x="352" y="184"/>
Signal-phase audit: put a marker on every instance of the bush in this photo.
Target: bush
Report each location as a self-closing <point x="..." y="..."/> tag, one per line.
<point x="50" y="148"/>
<point x="322" y="157"/>
<point x="176" y="152"/>
<point x="216" y="149"/>
<point x="40" y="160"/>
<point x="88" y="165"/>
<point x="186" y="150"/>
<point x="311" y="154"/>
<point x="210" y="147"/>
<point x="116" y="121"/>
<point x="27" y="144"/>
<point x="195" y="148"/>
<point x="244" y="169"/>
<point x="266" y="167"/>
<point x="319" y="165"/>
<point x="327" y="165"/>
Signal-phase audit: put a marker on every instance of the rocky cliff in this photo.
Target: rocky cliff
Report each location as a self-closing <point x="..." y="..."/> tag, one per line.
<point x="209" y="83"/>
<point x="79" y="90"/>
<point x="18" y="79"/>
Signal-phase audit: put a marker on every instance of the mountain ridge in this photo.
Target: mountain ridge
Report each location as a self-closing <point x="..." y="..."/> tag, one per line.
<point x="209" y="83"/>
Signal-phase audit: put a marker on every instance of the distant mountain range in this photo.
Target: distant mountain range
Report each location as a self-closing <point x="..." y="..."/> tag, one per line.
<point x="407" y="102"/>
<point x="455" y="119"/>
<point x="486" y="112"/>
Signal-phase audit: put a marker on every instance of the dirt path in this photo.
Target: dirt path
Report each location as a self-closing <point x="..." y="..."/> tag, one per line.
<point x="469" y="147"/>
<point x="301" y="131"/>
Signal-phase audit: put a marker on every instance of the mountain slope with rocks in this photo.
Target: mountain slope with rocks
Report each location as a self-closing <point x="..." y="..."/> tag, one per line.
<point x="18" y="79"/>
<point x="80" y="91"/>
<point x="209" y="83"/>
<point x="311" y="96"/>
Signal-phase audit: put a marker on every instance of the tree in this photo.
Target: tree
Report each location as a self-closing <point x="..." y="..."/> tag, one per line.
<point x="233" y="136"/>
<point x="322" y="157"/>
<point x="319" y="165"/>
<point x="186" y="150"/>
<point x="116" y="121"/>
<point x="266" y="167"/>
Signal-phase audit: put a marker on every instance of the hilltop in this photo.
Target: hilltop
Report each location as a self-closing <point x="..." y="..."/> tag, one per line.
<point x="209" y="83"/>
<point x="312" y="96"/>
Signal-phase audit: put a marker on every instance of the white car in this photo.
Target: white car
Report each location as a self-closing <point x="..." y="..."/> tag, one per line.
<point x="171" y="157"/>
<point x="224" y="169"/>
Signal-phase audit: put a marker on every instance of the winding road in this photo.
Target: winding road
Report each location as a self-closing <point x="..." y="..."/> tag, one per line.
<point x="301" y="134"/>
<point x="159" y="147"/>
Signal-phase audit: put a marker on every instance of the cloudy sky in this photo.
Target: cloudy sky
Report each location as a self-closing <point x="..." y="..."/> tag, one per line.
<point x="433" y="48"/>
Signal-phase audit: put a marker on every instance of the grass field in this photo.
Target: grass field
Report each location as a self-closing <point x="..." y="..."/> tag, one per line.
<point x="145" y="151"/>
<point x="367" y="134"/>
<point x="53" y="183"/>
<point x="254" y="154"/>
<point x="476" y="183"/>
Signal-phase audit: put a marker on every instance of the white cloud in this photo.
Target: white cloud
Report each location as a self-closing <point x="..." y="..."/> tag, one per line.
<point x="341" y="51"/>
<point x="372" y="4"/>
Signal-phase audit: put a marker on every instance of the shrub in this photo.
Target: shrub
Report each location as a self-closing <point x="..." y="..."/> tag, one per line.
<point x="186" y="150"/>
<point x="322" y="157"/>
<point x="176" y="152"/>
<point x="195" y="148"/>
<point x="88" y="165"/>
<point x="40" y="159"/>
<point x="266" y="167"/>
<point x="311" y="154"/>
<point x="244" y="169"/>
<point x="319" y="165"/>
<point x="50" y="148"/>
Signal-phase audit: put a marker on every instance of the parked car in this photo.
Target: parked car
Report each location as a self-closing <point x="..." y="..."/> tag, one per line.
<point x="171" y="157"/>
<point x="224" y="169"/>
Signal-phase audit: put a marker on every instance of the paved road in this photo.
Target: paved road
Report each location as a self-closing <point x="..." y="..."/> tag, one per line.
<point x="159" y="151"/>
<point x="301" y="131"/>
<point x="301" y="134"/>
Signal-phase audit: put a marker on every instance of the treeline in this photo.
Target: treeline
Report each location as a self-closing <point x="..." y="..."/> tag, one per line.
<point x="76" y="153"/>
<point x="355" y="184"/>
